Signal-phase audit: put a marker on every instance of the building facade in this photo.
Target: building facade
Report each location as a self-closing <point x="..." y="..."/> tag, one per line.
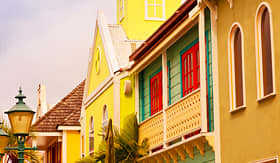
<point x="249" y="80"/>
<point x="57" y="132"/>
<point x="109" y="90"/>
<point x="175" y="88"/>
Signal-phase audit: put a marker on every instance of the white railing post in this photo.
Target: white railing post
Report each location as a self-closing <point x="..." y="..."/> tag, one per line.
<point x="165" y="93"/>
<point x="202" y="50"/>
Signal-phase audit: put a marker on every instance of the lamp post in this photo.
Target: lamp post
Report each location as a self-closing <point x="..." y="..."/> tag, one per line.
<point x="20" y="117"/>
<point x="4" y="140"/>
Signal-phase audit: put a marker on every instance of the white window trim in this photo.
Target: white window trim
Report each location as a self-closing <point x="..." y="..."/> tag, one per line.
<point x="258" y="46"/>
<point x="91" y="134"/>
<point x="155" y="18"/>
<point x="232" y="70"/>
<point x="121" y="9"/>
<point x="268" y="159"/>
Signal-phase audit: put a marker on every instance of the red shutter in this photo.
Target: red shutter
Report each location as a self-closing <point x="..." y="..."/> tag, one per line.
<point x="190" y="70"/>
<point x="156" y="93"/>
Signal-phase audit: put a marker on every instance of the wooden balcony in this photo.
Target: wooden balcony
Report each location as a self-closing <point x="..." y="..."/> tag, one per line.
<point x="179" y="121"/>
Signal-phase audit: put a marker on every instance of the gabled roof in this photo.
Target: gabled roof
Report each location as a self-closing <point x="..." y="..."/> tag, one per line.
<point x="65" y="113"/>
<point x="164" y="30"/>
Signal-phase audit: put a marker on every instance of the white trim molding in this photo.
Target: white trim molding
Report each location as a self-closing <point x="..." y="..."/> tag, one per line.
<point x="121" y="10"/>
<point x="267" y="159"/>
<point x="64" y="147"/>
<point x="46" y="133"/>
<point x="259" y="65"/>
<point x="72" y="128"/>
<point x="231" y="66"/>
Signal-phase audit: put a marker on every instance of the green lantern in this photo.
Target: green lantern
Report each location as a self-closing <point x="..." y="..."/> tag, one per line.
<point x="20" y="116"/>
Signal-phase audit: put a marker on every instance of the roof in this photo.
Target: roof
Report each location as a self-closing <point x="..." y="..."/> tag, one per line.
<point x="65" y="113"/>
<point x="163" y="31"/>
<point x="122" y="46"/>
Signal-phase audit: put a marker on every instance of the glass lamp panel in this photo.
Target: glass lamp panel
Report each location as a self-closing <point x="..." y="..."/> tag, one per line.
<point x="21" y="122"/>
<point x="4" y="140"/>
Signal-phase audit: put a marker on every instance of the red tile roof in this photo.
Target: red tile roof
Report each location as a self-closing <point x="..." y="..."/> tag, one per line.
<point x="64" y="113"/>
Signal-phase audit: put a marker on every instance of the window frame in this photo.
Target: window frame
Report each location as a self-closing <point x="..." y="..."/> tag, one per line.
<point x="267" y="159"/>
<point x="231" y="64"/>
<point x="155" y="18"/>
<point x="259" y="63"/>
<point x="194" y="45"/>
<point x="91" y="135"/>
<point x="155" y="75"/>
<point x="121" y="10"/>
<point x="104" y="114"/>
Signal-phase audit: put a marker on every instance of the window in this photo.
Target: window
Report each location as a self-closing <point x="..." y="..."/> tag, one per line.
<point x="121" y="9"/>
<point x="190" y="70"/>
<point x="271" y="160"/>
<point x="156" y="93"/>
<point x="265" y="63"/>
<point x="155" y="9"/>
<point x="91" y="136"/>
<point x="236" y="67"/>
<point x="105" y="116"/>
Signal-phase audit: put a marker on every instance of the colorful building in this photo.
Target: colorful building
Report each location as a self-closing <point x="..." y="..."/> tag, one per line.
<point x="104" y="95"/>
<point x="109" y="90"/>
<point x="57" y="133"/>
<point x="175" y="90"/>
<point x="249" y="80"/>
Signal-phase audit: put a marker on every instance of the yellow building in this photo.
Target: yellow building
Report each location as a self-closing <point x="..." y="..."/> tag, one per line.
<point x="57" y="133"/>
<point x="109" y="90"/>
<point x="140" y="18"/>
<point x="249" y="80"/>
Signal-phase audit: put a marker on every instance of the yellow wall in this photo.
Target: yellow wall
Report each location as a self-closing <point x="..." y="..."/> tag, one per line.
<point x="95" y="109"/>
<point x="96" y="79"/>
<point x="252" y="133"/>
<point x="73" y="146"/>
<point x="134" y="23"/>
<point x="127" y="103"/>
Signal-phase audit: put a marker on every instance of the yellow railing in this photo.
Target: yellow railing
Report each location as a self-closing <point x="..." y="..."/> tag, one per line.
<point x="153" y="130"/>
<point x="183" y="117"/>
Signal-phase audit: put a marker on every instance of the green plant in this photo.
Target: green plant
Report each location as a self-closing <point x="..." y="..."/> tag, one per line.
<point x="126" y="146"/>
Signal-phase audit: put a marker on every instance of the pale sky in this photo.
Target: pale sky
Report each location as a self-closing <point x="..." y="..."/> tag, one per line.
<point x="46" y="41"/>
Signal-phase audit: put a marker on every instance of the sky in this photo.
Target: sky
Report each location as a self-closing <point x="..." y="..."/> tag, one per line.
<point x="46" y="41"/>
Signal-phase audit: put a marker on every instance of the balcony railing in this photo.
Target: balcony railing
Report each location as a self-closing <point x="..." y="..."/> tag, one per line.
<point x="182" y="118"/>
<point x="152" y="129"/>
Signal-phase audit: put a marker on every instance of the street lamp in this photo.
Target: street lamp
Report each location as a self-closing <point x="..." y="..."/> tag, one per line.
<point x="4" y="140"/>
<point x="20" y="117"/>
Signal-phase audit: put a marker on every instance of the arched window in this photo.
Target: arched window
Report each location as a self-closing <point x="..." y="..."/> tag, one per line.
<point x="105" y="116"/>
<point x="265" y="65"/>
<point x="91" y="135"/>
<point x="236" y="62"/>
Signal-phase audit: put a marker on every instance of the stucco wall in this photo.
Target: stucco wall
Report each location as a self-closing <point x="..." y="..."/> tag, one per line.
<point x="95" y="109"/>
<point x="73" y="146"/>
<point x="134" y="23"/>
<point x="252" y="133"/>
<point x="127" y="102"/>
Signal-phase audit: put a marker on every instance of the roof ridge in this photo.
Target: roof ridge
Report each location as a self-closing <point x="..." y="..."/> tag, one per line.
<point x="60" y="101"/>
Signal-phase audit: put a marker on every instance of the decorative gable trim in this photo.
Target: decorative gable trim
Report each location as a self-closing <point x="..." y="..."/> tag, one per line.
<point x="110" y="55"/>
